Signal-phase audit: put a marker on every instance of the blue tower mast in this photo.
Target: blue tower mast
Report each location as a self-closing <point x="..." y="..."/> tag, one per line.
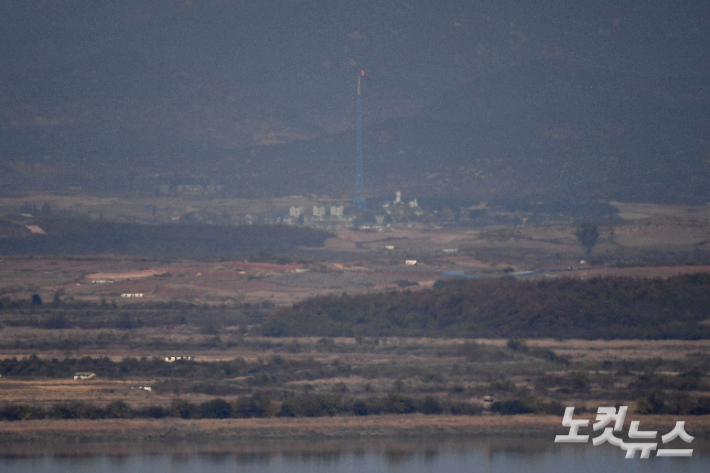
<point x="359" y="200"/>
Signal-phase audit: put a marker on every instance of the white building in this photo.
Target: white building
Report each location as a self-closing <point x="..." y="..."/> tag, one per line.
<point x="319" y="210"/>
<point x="172" y="359"/>
<point x="336" y="210"/>
<point x="84" y="375"/>
<point x="295" y="212"/>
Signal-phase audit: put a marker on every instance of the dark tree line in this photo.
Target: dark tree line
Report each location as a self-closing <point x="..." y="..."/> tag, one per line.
<point x="274" y="369"/>
<point x="86" y="237"/>
<point x="609" y="308"/>
<point x="260" y="405"/>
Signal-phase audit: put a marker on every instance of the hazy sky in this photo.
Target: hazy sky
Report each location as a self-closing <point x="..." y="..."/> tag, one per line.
<point x="411" y="48"/>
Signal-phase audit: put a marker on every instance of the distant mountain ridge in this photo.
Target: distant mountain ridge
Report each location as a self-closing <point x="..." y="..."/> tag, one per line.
<point x="469" y="101"/>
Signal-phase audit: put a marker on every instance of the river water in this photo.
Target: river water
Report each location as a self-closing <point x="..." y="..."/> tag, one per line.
<point x="473" y="455"/>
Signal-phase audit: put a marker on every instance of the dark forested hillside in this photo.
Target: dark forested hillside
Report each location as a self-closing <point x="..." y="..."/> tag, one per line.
<point x="560" y="308"/>
<point x="468" y="100"/>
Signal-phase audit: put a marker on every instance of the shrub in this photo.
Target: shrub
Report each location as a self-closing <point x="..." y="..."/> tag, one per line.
<point x="652" y="404"/>
<point x="396" y="403"/>
<point x="257" y="405"/>
<point x="431" y="405"/>
<point x="370" y="406"/>
<point x="183" y="409"/>
<point x="119" y="410"/>
<point x="514" y="406"/>
<point x="216" y="409"/>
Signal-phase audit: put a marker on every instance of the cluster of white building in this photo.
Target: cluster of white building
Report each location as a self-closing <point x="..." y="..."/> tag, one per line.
<point x="320" y="216"/>
<point x="329" y="216"/>
<point x="318" y="211"/>
<point x="398" y="201"/>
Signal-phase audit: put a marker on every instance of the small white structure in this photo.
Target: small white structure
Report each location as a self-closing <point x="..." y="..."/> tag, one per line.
<point x="172" y="359"/>
<point x="35" y="229"/>
<point x="84" y="375"/>
<point x="398" y="197"/>
<point x="131" y="295"/>
<point x="413" y="203"/>
<point x="145" y="388"/>
<point x="319" y="210"/>
<point x="411" y="262"/>
<point x="295" y="212"/>
<point x="450" y="250"/>
<point x="389" y="247"/>
<point x="336" y="210"/>
<point x="488" y="402"/>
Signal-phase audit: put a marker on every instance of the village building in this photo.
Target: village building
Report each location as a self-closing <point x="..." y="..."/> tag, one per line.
<point x="84" y="375"/>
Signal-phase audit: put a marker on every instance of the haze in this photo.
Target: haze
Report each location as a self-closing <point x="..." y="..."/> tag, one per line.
<point x="471" y="101"/>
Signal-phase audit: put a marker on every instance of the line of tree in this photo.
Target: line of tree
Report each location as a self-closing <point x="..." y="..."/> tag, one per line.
<point x="260" y="405"/>
<point x="274" y="368"/>
<point x="608" y="308"/>
<point x="75" y="236"/>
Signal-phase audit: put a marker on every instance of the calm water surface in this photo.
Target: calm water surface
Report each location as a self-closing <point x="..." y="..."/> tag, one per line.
<point x="462" y="456"/>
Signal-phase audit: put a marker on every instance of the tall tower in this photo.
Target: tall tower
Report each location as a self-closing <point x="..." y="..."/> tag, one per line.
<point x="359" y="200"/>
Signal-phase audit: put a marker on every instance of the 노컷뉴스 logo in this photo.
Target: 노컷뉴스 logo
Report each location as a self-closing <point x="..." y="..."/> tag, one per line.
<point x="605" y="415"/>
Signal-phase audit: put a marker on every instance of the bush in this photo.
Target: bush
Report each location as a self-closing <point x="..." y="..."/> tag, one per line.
<point x="216" y="409"/>
<point x="21" y="412"/>
<point x="652" y="404"/>
<point x="702" y="407"/>
<point x="76" y="410"/>
<point x="155" y="412"/>
<point x="367" y="407"/>
<point x="119" y="410"/>
<point x="183" y="409"/>
<point x="311" y="406"/>
<point x="431" y="405"/>
<point x="289" y="408"/>
<point x="514" y="406"/>
<point x="396" y="403"/>
<point x="257" y="405"/>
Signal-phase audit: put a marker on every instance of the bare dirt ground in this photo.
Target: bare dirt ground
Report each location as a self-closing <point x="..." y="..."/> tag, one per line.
<point x="483" y="252"/>
<point x="96" y="278"/>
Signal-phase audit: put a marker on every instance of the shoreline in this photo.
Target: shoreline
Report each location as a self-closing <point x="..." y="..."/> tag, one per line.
<point x="46" y="436"/>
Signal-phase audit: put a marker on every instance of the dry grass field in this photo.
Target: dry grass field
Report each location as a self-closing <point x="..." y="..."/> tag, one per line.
<point x="609" y="370"/>
<point x="396" y="433"/>
<point x="354" y="261"/>
<point x="584" y="373"/>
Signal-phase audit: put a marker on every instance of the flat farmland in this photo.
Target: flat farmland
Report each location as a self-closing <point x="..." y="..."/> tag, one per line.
<point x="359" y="262"/>
<point x="212" y="310"/>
